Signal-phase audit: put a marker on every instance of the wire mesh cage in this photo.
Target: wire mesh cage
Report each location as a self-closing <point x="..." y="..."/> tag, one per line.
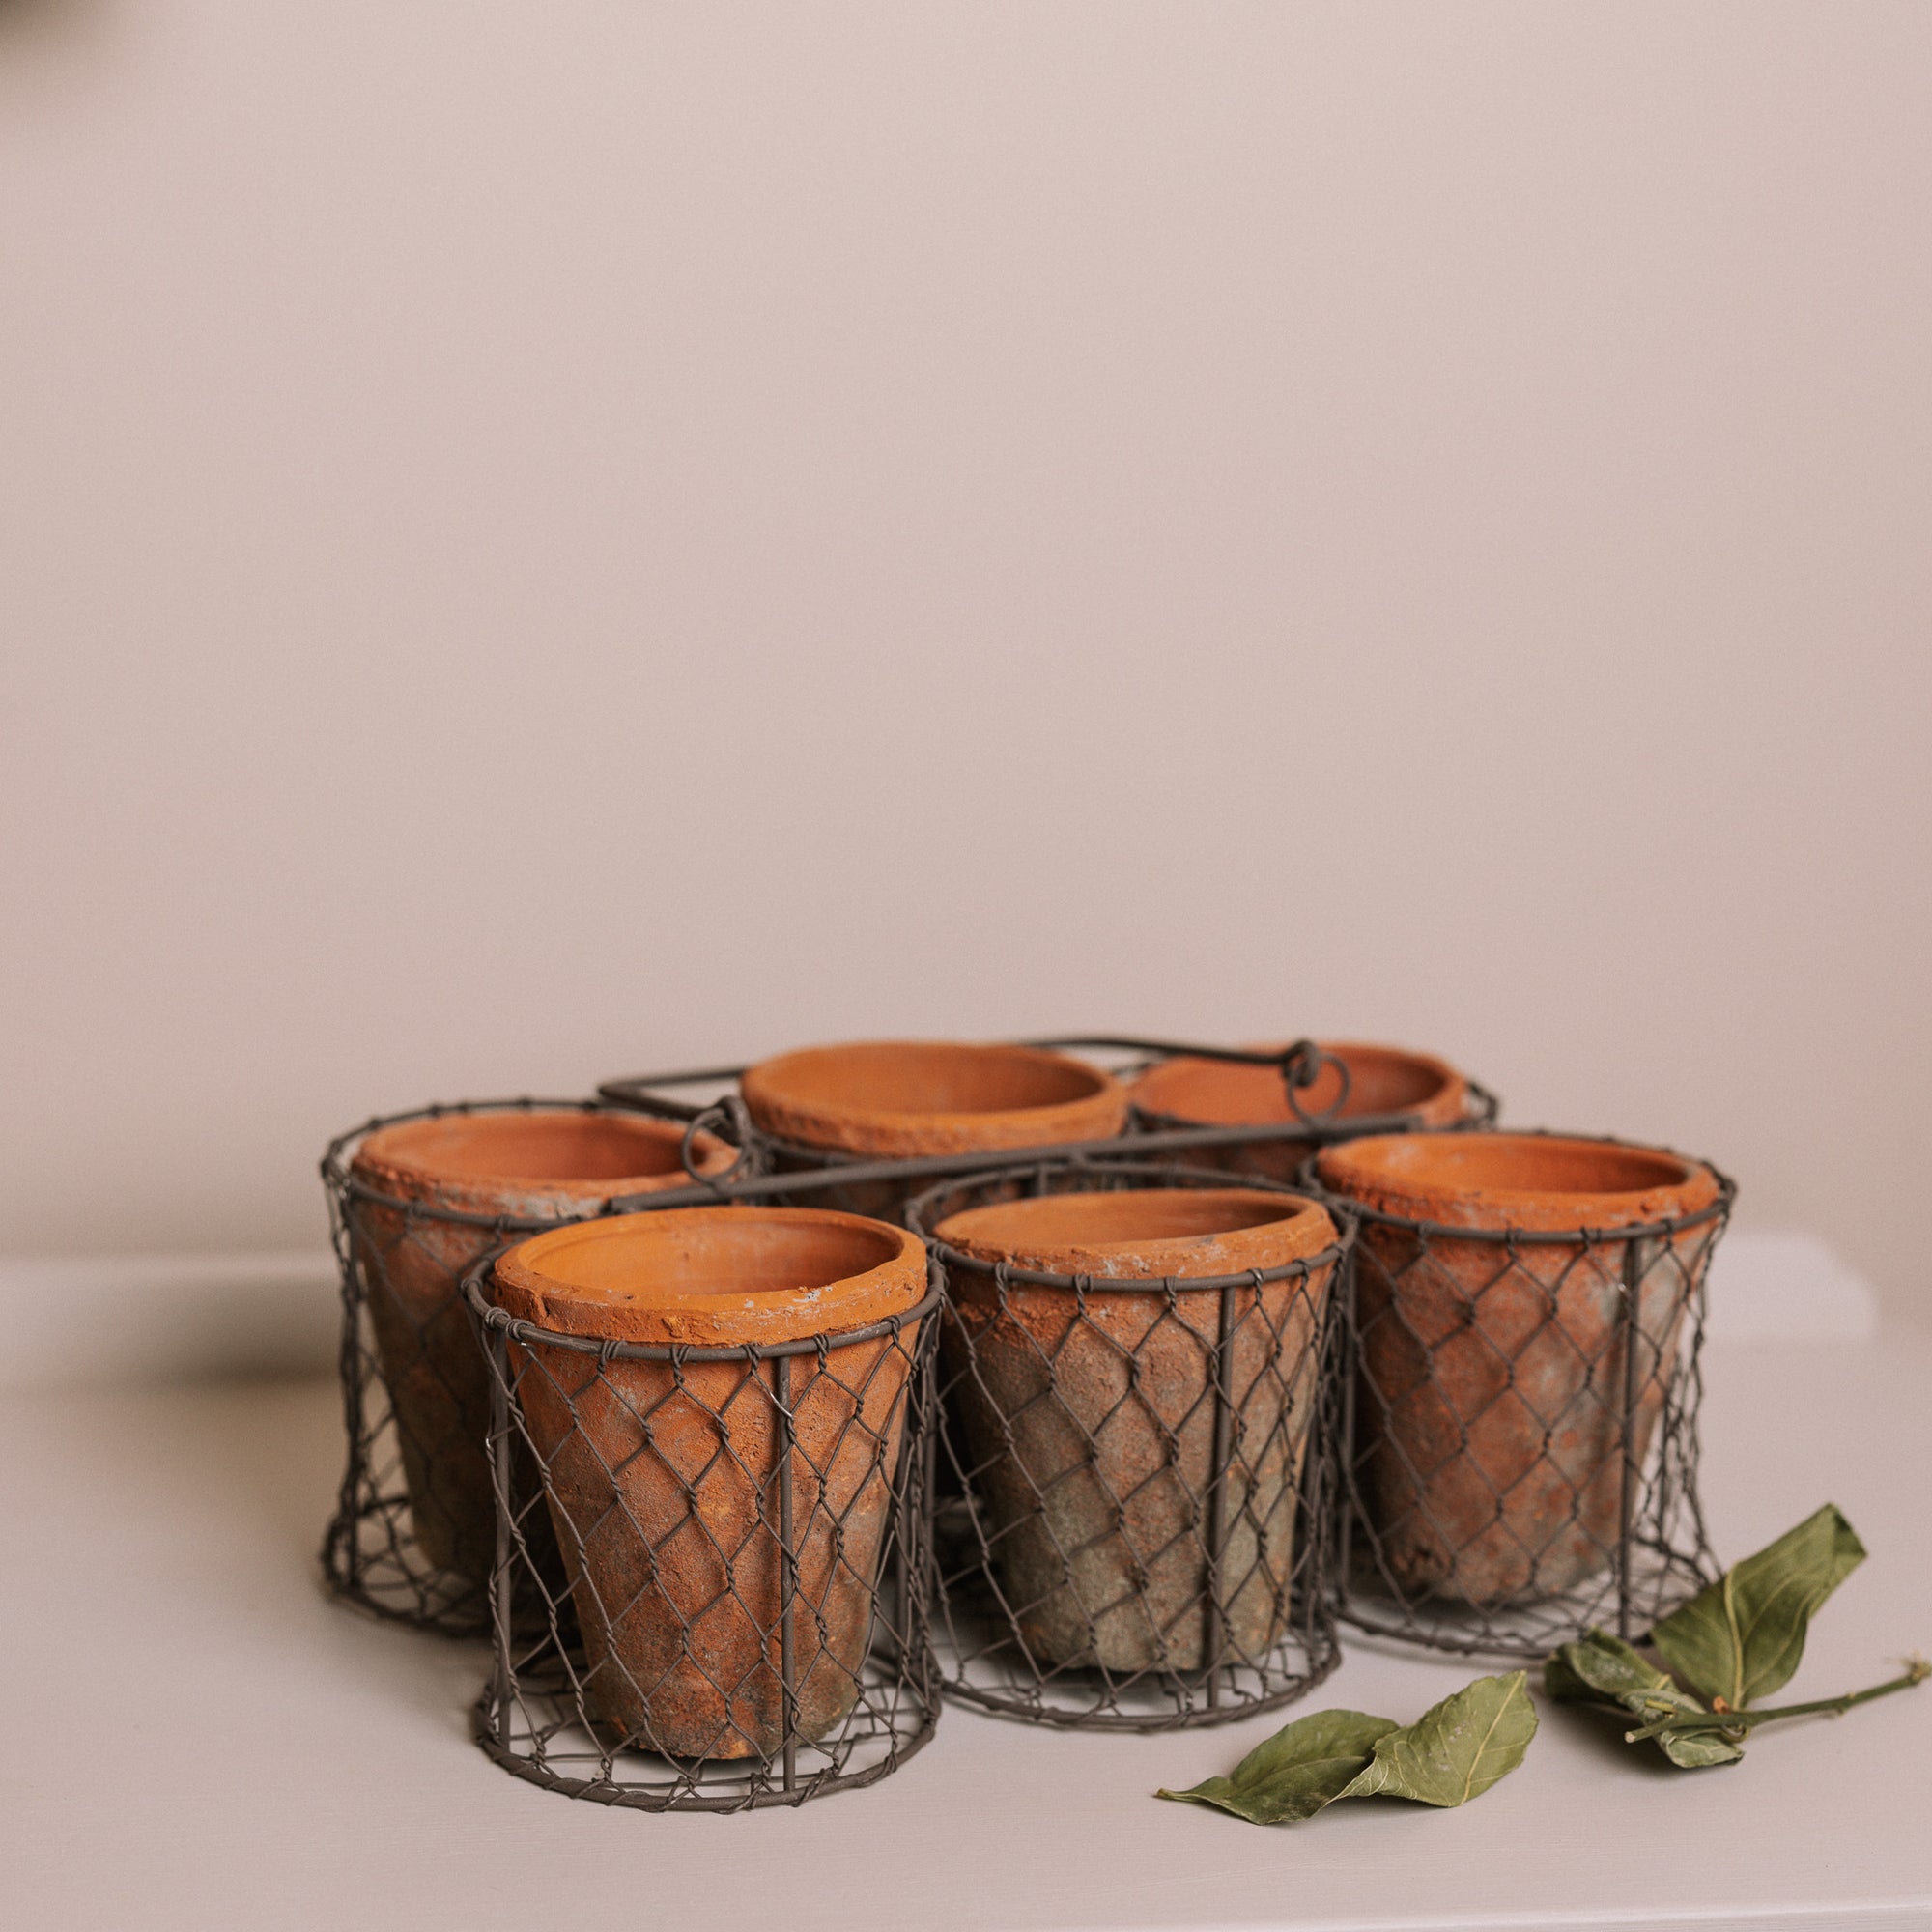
<point x="415" y="1199"/>
<point x="1520" y="1443"/>
<point x="725" y="1546"/>
<point x="1132" y="1469"/>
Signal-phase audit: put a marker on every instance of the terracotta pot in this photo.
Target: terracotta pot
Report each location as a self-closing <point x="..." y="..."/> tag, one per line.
<point x="522" y="1165"/>
<point x="898" y="1099"/>
<point x="1491" y="1387"/>
<point x="1088" y="1417"/>
<point x="663" y="1479"/>
<point x="1192" y="1093"/>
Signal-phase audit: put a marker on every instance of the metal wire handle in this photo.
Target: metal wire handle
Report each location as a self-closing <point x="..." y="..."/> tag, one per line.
<point x="1299" y="1063"/>
<point x="1300" y="1066"/>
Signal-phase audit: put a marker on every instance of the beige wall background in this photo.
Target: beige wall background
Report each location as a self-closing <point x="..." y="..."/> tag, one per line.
<point x="541" y="542"/>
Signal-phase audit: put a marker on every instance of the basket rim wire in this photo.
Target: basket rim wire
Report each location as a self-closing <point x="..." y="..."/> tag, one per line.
<point x="1407" y="1621"/>
<point x="1312" y="1632"/>
<point x="915" y="1688"/>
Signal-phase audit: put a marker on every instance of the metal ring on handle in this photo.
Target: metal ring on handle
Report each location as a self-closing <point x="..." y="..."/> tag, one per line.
<point x="729" y="1110"/>
<point x="1301" y="1068"/>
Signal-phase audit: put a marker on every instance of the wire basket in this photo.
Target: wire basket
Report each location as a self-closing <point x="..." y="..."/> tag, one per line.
<point x="1133" y="1477"/>
<point x="1520" y="1444"/>
<point x="414" y="1536"/>
<point x="740" y="1619"/>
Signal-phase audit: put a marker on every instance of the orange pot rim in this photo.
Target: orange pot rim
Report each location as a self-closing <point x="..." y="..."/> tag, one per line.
<point x="390" y="1161"/>
<point x="1286" y="1239"/>
<point x="1145" y="1092"/>
<point x="641" y="1305"/>
<point x="1451" y="1180"/>
<point x="814" y="1120"/>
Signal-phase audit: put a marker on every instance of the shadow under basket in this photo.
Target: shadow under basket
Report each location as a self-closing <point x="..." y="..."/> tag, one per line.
<point x="1133" y="1474"/>
<point x="1520" y="1443"/>
<point x="740" y="1617"/>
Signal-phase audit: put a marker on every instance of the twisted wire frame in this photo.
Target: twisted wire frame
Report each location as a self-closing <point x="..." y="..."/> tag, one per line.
<point x="1133" y="1478"/>
<point x="1519" y="1429"/>
<point x="412" y="1534"/>
<point x="711" y="1578"/>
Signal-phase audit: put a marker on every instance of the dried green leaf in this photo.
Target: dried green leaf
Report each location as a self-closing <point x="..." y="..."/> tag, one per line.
<point x="1743" y="1636"/>
<point x="1456" y="1751"/>
<point x="1563" y="1684"/>
<point x="1291" y="1777"/>
<point x="1601" y="1668"/>
<point x="1693" y="1751"/>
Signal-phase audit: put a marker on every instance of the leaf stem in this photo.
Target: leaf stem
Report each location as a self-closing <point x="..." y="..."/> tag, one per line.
<point x="1682" y="1723"/>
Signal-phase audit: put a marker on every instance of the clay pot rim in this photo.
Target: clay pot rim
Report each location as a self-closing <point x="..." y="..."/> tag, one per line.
<point x="1700" y="1193"/>
<point x="1449" y="1079"/>
<point x="1320" y="1242"/>
<point x="375" y="1174"/>
<point x="845" y="1309"/>
<point x="821" y="1124"/>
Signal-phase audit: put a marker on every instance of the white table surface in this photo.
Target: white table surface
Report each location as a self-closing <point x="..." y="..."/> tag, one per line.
<point x="195" y="1738"/>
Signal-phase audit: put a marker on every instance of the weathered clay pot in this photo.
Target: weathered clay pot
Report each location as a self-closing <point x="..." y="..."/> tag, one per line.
<point x="1491" y="1387"/>
<point x="662" y="1478"/>
<point x="898" y="1099"/>
<point x="1186" y="1092"/>
<point x="519" y="1164"/>
<point x="1088" y="1417"/>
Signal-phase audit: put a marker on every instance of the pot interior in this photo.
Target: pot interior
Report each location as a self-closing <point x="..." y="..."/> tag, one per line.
<point x="530" y="1146"/>
<point x="1503" y="1164"/>
<point x="925" y="1077"/>
<point x="1381" y="1080"/>
<point x="723" y="1275"/>
<point x="709" y="1254"/>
